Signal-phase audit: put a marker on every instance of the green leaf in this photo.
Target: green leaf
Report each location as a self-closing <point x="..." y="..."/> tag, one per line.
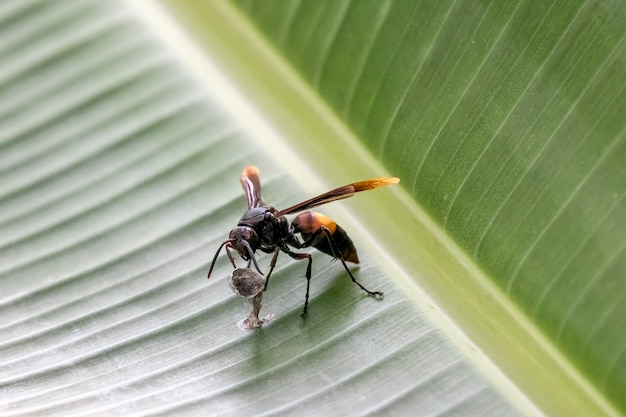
<point x="121" y="144"/>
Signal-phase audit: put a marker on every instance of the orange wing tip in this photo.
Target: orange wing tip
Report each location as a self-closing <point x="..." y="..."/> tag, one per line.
<point x="250" y="171"/>
<point x="387" y="180"/>
<point x="375" y="183"/>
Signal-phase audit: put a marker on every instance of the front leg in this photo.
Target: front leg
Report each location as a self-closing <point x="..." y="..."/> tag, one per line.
<point x="272" y="265"/>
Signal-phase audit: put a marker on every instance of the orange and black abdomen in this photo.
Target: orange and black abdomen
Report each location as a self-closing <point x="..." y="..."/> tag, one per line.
<point x="309" y="222"/>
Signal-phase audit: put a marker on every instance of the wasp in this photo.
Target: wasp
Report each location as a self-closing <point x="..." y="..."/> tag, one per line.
<point x="264" y="228"/>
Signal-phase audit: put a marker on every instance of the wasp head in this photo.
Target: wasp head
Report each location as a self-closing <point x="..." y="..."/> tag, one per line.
<point x="244" y="239"/>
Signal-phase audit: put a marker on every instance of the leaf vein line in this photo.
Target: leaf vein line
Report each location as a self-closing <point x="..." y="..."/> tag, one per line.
<point x="575" y="255"/>
<point x="599" y="273"/>
<point x="382" y="17"/>
<point x="537" y="156"/>
<point x="563" y="206"/>
<point x="505" y="120"/>
<point x="458" y="102"/>
<point x="385" y="136"/>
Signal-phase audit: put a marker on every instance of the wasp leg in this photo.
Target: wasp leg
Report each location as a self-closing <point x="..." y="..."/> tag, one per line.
<point x="272" y="265"/>
<point x="266" y="250"/>
<point x="300" y="256"/>
<point x="314" y="239"/>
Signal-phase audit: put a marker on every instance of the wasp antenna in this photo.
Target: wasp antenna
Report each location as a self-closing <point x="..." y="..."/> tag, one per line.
<point x="216" y="255"/>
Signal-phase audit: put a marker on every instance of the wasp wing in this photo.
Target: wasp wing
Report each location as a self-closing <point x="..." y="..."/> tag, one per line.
<point x="339" y="194"/>
<point x="252" y="186"/>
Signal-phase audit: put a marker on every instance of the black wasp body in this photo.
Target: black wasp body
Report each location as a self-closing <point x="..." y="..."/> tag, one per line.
<point x="264" y="228"/>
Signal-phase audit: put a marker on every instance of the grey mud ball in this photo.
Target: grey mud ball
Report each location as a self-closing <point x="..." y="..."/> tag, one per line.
<point x="249" y="284"/>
